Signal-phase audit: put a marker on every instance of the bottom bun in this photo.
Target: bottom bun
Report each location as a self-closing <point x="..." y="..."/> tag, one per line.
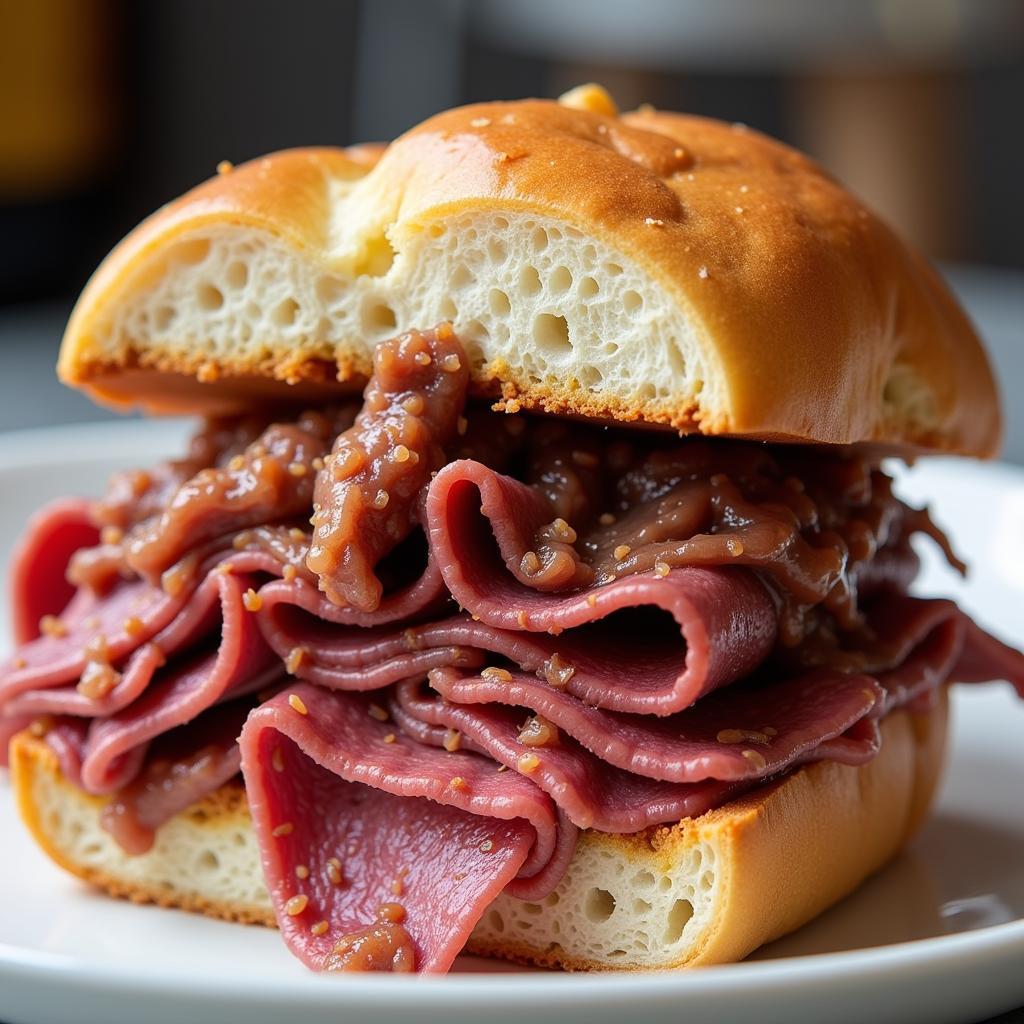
<point x="707" y="890"/>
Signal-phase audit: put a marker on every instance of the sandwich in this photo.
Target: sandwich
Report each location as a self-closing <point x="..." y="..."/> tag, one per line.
<point x="534" y="584"/>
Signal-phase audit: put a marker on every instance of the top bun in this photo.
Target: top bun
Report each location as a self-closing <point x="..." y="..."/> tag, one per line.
<point x="646" y="267"/>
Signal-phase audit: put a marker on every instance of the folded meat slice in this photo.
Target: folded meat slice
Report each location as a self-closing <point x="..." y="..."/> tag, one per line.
<point x="238" y="664"/>
<point x="176" y="770"/>
<point x="745" y="732"/>
<point x="37" y="584"/>
<point x="701" y="629"/>
<point x="209" y="648"/>
<point x="379" y="851"/>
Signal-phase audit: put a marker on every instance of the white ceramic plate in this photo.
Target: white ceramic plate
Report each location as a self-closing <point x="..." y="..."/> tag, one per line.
<point x="937" y="936"/>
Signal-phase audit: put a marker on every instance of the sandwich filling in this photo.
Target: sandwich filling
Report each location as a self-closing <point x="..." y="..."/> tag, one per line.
<point x="438" y="641"/>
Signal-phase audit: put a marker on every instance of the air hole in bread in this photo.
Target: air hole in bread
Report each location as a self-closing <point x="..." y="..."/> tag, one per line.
<point x="236" y="274"/>
<point x="192" y="252"/>
<point x="449" y="311"/>
<point x="499" y="302"/>
<point x="473" y="330"/>
<point x="588" y="288"/>
<point x="551" y="334"/>
<point x="529" y="280"/>
<point x="681" y="912"/>
<point x="533" y="909"/>
<point x="163" y="318"/>
<point x="641" y="907"/>
<point x="285" y="312"/>
<point x="644" y="880"/>
<point x="379" y="318"/>
<point x="208" y="861"/>
<point x="561" y="280"/>
<point x="612" y="269"/>
<point x="631" y="301"/>
<point x="591" y="376"/>
<point x="496" y="921"/>
<point x="461" y="276"/>
<point x="598" y="905"/>
<point x="329" y="289"/>
<point x="209" y="297"/>
<point x="497" y="250"/>
<point x="377" y="257"/>
<point x="675" y="358"/>
<point x="539" y="238"/>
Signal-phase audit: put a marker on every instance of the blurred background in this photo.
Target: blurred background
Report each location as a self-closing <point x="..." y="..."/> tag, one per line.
<point x="109" y="108"/>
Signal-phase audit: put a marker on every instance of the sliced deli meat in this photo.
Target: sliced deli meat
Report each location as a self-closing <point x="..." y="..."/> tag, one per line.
<point x="438" y="641"/>
<point x="361" y="826"/>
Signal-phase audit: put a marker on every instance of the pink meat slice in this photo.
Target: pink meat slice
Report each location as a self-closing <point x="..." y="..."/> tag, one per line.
<point x="479" y="523"/>
<point x="766" y="726"/>
<point x="702" y="629"/>
<point x="983" y="657"/>
<point x="178" y="769"/>
<point x="240" y="663"/>
<point x="181" y="767"/>
<point x="56" y="660"/>
<point x="37" y="583"/>
<point x="340" y="655"/>
<point x="590" y="792"/>
<point x="445" y="830"/>
<point x="66" y="737"/>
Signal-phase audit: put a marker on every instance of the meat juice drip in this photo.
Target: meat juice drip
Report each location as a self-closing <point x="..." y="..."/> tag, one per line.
<point x="382" y="946"/>
<point x="368" y="491"/>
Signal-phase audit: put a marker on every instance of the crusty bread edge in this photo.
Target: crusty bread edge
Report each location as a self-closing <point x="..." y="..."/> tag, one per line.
<point x="810" y="277"/>
<point x="783" y="854"/>
<point x="788" y="851"/>
<point x="33" y="763"/>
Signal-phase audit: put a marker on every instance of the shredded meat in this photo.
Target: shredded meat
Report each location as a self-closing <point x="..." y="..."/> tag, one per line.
<point x="271" y="480"/>
<point x="368" y="491"/>
<point x="819" y="527"/>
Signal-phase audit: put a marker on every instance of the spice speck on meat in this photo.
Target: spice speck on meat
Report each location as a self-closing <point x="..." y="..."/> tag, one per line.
<point x="493" y="672"/>
<point x="296" y="905"/>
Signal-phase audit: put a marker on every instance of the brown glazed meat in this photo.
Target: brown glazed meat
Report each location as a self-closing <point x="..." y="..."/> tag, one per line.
<point x="384" y="946"/>
<point x="269" y="481"/>
<point x="818" y="525"/>
<point x="367" y="493"/>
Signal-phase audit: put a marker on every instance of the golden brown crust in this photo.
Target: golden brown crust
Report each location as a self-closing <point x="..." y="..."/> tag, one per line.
<point x="34" y="765"/>
<point x="783" y="854"/>
<point x="788" y="851"/>
<point x="818" y="322"/>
